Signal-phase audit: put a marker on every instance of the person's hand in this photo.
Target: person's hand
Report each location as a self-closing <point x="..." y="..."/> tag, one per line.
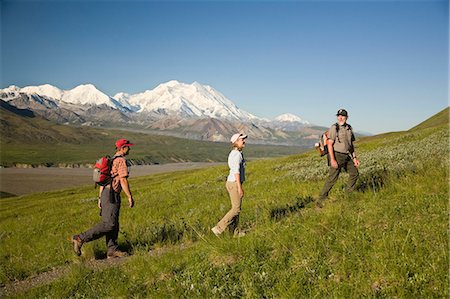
<point x="356" y="162"/>
<point x="131" y="202"/>
<point x="99" y="203"/>
<point x="334" y="164"/>
<point x="241" y="192"/>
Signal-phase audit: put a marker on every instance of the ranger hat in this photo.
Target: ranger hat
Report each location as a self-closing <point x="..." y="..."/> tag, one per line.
<point x="236" y="136"/>
<point x="342" y="112"/>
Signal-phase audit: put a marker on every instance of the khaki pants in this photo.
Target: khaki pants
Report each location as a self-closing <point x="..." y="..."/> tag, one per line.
<point x="344" y="162"/>
<point x="231" y="219"/>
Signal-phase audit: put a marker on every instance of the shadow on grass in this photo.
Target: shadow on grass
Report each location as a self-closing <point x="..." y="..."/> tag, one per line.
<point x="146" y="237"/>
<point x="373" y="181"/>
<point x="279" y="213"/>
<point x="166" y="233"/>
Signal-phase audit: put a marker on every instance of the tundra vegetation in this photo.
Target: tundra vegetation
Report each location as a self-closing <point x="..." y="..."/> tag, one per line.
<point x="388" y="239"/>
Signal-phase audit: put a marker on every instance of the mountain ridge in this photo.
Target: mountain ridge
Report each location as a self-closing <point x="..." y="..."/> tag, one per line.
<point x="30" y="140"/>
<point x="173" y="108"/>
<point x="198" y="100"/>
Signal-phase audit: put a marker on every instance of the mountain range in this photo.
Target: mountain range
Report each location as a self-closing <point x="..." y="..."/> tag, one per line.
<point x="174" y="108"/>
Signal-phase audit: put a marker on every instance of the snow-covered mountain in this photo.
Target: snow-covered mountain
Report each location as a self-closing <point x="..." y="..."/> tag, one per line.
<point x="290" y="118"/>
<point x="46" y="90"/>
<point x="185" y="100"/>
<point x="86" y="94"/>
<point x="173" y="98"/>
<point x="173" y="108"/>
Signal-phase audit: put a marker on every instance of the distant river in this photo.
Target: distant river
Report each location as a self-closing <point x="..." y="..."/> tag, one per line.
<point x="20" y="181"/>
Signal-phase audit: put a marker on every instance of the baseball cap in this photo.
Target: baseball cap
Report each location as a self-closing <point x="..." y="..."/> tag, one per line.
<point x="342" y="112"/>
<point x="236" y="136"/>
<point x="123" y="142"/>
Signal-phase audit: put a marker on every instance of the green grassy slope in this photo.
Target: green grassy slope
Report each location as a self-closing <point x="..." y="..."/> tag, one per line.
<point x="436" y="120"/>
<point x="36" y="141"/>
<point x="388" y="239"/>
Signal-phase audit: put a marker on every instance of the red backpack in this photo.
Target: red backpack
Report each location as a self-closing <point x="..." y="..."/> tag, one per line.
<point x="102" y="171"/>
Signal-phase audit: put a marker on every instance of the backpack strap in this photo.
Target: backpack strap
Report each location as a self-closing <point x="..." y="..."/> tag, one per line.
<point x="337" y="131"/>
<point x="112" y="161"/>
<point x="347" y="126"/>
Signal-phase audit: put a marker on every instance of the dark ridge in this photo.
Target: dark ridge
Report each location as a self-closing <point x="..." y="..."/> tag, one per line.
<point x="15" y="110"/>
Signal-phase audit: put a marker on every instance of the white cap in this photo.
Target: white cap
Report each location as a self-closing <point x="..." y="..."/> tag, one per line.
<point x="236" y="136"/>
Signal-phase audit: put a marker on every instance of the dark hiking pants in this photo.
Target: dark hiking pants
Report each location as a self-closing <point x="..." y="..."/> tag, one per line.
<point x="344" y="162"/>
<point x="109" y="227"/>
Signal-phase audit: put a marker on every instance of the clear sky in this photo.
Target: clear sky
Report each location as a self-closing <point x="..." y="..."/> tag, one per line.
<point x="386" y="62"/>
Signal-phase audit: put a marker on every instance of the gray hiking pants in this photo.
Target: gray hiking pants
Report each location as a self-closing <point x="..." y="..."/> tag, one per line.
<point x="109" y="227"/>
<point x="344" y="162"/>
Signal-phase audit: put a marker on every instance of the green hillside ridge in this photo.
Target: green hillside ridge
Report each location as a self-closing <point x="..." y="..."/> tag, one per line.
<point x="436" y="120"/>
<point x="388" y="239"/>
<point x="37" y="141"/>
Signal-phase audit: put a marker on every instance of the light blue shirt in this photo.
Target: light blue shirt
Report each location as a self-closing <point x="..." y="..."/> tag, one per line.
<point x="236" y="163"/>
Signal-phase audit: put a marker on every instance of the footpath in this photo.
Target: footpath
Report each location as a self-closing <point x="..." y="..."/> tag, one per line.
<point x="21" y="286"/>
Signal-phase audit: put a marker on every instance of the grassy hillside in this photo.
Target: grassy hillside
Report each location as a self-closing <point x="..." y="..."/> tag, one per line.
<point x="388" y="239"/>
<point x="36" y="141"/>
<point x="436" y="120"/>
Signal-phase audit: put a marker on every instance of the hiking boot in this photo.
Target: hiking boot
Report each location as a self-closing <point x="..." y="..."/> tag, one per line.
<point x="116" y="254"/>
<point x="216" y="231"/>
<point x="77" y="243"/>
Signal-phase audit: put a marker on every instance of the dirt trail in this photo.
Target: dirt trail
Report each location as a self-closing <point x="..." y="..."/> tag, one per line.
<point x="17" y="287"/>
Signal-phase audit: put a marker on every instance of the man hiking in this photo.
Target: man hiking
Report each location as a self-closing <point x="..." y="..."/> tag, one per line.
<point x="342" y="155"/>
<point x="109" y="202"/>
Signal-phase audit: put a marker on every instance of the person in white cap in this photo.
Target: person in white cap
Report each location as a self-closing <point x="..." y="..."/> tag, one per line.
<point x="236" y="178"/>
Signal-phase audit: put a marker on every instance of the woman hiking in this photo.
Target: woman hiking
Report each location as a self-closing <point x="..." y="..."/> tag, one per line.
<point x="235" y="179"/>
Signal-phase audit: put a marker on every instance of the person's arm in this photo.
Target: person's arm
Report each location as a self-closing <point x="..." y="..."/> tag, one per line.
<point x="126" y="189"/>
<point x="333" y="161"/>
<point x="99" y="203"/>
<point x="237" y="176"/>
<point x="353" y="153"/>
<point x="355" y="160"/>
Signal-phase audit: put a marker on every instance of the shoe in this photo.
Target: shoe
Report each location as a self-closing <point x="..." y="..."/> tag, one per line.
<point x="319" y="204"/>
<point x="77" y="243"/>
<point x="116" y="254"/>
<point x="216" y="231"/>
<point x="238" y="234"/>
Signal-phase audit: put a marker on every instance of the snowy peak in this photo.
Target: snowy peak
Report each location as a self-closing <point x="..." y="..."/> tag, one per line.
<point x="172" y="98"/>
<point x="187" y="100"/>
<point x="9" y="92"/>
<point x="86" y="94"/>
<point x="291" y="118"/>
<point x="46" y="90"/>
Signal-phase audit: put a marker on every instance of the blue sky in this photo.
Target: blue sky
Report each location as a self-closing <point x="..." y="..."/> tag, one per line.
<point x="386" y="62"/>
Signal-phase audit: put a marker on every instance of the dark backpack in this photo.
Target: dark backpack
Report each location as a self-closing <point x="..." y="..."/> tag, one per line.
<point x="102" y="171"/>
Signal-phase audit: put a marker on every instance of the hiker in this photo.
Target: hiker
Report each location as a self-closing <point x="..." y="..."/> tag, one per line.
<point x="342" y="155"/>
<point x="109" y="202"/>
<point x="235" y="179"/>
